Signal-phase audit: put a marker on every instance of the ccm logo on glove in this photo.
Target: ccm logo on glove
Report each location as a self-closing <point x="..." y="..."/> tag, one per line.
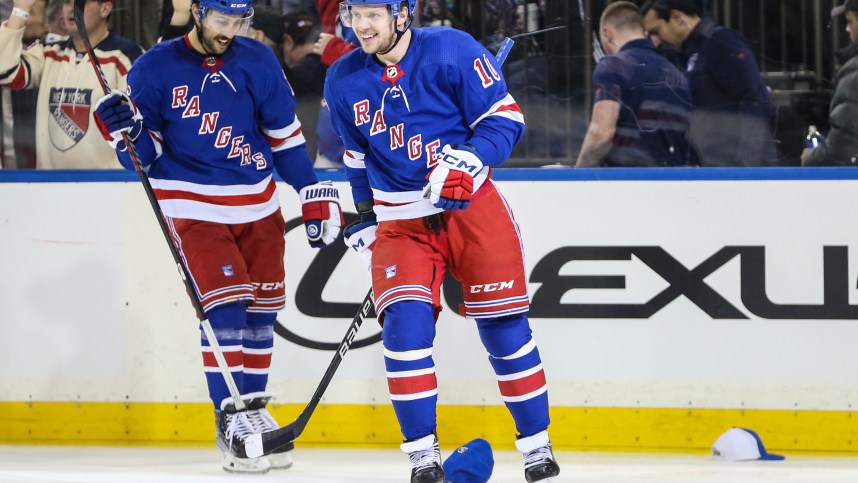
<point x="469" y="163"/>
<point x="451" y="181"/>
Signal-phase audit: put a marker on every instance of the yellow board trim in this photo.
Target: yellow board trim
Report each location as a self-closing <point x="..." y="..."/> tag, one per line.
<point x="572" y="428"/>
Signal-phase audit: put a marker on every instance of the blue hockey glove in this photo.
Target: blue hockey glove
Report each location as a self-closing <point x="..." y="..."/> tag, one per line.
<point x="451" y="182"/>
<point x="320" y="209"/>
<point x="115" y="114"/>
<point x="360" y="236"/>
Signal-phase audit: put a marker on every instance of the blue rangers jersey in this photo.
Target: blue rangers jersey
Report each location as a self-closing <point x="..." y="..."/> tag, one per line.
<point x="447" y="89"/>
<point x="219" y="126"/>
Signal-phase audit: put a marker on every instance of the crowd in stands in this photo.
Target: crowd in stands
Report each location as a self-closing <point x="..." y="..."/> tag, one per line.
<point x="671" y="86"/>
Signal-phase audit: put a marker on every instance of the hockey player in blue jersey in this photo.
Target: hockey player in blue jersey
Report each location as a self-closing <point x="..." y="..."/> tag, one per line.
<point x="431" y="104"/>
<point x="212" y="117"/>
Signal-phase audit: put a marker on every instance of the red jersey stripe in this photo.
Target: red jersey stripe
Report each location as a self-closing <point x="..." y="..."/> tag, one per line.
<point x="20" y="79"/>
<point x="224" y="200"/>
<point x="509" y="107"/>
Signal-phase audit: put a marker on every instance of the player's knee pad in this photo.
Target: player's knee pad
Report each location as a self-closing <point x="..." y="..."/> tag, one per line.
<point x="228" y="316"/>
<point x="408" y="325"/>
<point x="502" y="336"/>
<point x="261" y="319"/>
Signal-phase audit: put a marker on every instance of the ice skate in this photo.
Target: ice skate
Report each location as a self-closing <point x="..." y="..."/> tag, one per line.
<point x="539" y="462"/>
<point x="262" y="421"/>
<point x="425" y="459"/>
<point x="232" y="429"/>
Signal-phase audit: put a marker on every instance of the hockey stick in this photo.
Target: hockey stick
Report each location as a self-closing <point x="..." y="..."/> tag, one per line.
<point x="509" y="42"/>
<point x="504" y="49"/>
<point x="79" y="6"/>
<point x="264" y="443"/>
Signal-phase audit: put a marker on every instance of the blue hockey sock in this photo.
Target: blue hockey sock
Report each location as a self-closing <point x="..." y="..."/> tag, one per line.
<point x="515" y="359"/>
<point x="258" y="342"/>
<point x="409" y="330"/>
<point x="227" y="321"/>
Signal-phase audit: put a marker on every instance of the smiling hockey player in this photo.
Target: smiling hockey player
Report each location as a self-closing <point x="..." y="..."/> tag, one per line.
<point x="216" y="117"/>
<point x="431" y="104"/>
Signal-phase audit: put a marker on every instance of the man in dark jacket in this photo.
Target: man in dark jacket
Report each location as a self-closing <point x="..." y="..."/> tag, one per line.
<point x="733" y="110"/>
<point x="840" y="147"/>
<point x="641" y="102"/>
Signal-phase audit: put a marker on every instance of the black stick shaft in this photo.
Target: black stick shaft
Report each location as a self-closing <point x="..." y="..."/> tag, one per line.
<point x="79" y="6"/>
<point x="265" y="443"/>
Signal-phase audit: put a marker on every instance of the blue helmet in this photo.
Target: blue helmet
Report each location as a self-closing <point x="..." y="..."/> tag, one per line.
<point x="393" y="5"/>
<point x="243" y="8"/>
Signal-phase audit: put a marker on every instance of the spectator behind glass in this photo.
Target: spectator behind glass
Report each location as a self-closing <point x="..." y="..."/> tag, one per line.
<point x="733" y="111"/>
<point x="304" y="67"/>
<point x="24" y="101"/>
<point x="267" y="27"/>
<point x="66" y="135"/>
<point x="293" y="37"/>
<point x="175" y="19"/>
<point x="57" y="31"/>
<point x="335" y="41"/>
<point x="840" y="147"/>
<point x="641" y="101"/>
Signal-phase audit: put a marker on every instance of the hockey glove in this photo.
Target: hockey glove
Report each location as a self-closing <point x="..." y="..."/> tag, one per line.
<point x="451" y="182"/>
<point x="360" y="236"/>
<point x="320" y="209"/>
<point x="115" y="114"/>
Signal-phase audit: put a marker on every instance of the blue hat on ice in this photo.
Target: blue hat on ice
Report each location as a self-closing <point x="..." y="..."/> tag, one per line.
<point x="470" y="463"/>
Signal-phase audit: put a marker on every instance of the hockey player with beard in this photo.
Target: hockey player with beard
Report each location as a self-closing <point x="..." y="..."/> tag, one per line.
<point x="430" y="103"/>
<point x="212" y="116"/>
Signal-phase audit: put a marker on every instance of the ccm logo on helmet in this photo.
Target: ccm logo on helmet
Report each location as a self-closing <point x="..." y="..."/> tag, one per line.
<point x="492" y="287"/>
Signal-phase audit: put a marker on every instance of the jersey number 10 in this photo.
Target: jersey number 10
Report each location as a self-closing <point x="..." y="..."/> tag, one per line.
<point x="483" y="68"/>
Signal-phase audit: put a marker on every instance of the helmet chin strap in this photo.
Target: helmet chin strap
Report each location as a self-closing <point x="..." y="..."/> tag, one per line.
<point x="399" y="35"/>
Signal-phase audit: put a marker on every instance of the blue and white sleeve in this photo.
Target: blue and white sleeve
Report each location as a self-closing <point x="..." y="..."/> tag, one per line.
<point x="494" y="116"/>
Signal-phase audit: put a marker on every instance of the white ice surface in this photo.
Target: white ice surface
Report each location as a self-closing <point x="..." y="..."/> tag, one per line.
<point x="26" y="464"/>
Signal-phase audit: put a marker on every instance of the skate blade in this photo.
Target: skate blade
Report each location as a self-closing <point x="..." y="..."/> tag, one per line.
<point x="254" y="466"/>
<point x="280" y="461"/>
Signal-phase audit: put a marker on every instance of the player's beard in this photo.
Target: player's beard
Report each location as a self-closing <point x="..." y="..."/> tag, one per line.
<point x="382" y="45"/>
<point x="211" y="43"/>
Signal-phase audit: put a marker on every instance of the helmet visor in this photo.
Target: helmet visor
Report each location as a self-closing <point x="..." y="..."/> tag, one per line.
<point x="346" y="16"/>
<point x="226" y="25"/>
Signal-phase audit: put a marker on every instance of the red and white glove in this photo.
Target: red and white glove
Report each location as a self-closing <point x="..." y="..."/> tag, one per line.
<point x="321" y="212"/>
<point x="451" y="182"/>
<point x="116" y="114"/>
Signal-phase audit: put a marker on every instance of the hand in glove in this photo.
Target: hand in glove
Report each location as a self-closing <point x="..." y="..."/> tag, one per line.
<point x="451" y="182"/>
<point x="116" y="114"/>
<point x="320" y="209"/>
<point x="360" y="236"/>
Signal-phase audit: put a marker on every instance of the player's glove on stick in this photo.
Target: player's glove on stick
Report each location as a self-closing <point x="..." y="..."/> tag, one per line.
<point x="321" y="212"/>
<point x="451" y="182"/>
<point x="115" y="114"/>
<point x="360" y="236"/>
